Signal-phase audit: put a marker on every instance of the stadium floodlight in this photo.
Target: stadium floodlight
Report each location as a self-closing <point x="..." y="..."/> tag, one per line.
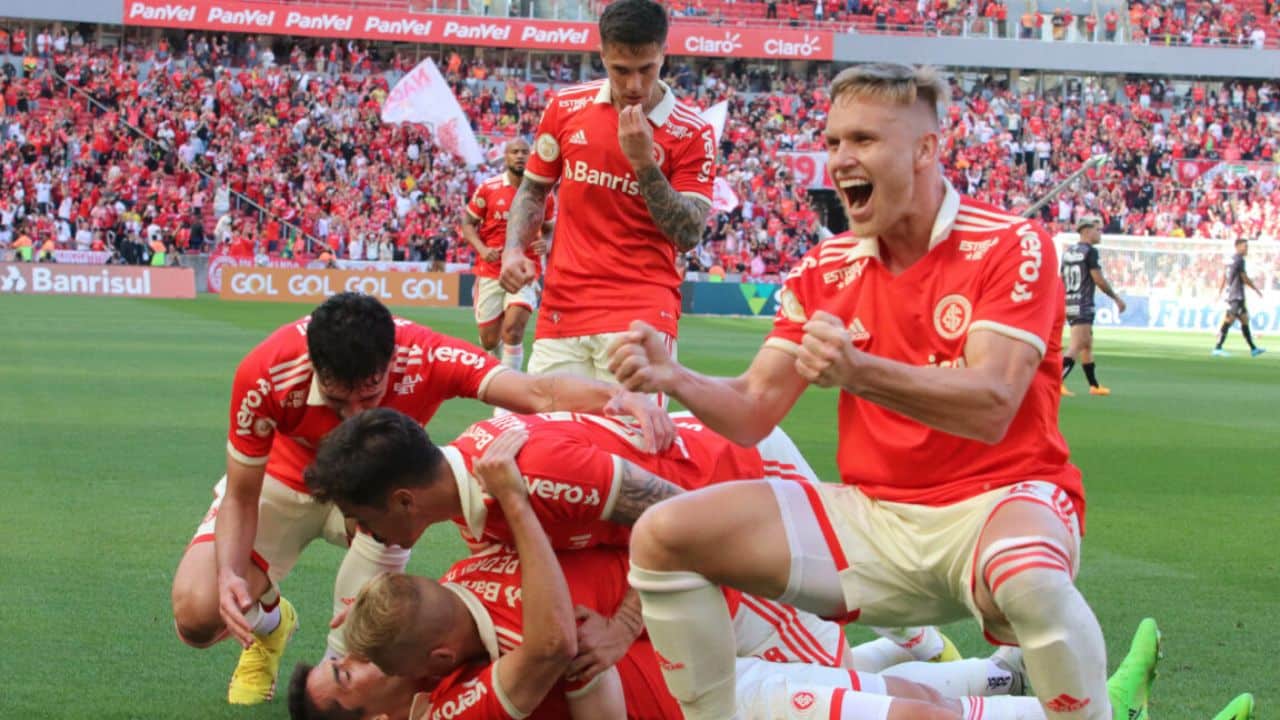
<point x="1093" y="162"/>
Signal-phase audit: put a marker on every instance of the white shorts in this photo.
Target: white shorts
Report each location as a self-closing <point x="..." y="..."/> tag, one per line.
<point x="491" y="301"/>
<point x="780" y="633"/>
<point x="775" y="691"/>
<point x="288" y="521"/>
<point x="906" y="564"/>
<point x="782" y="459"/>
<point x="584" y="356"/>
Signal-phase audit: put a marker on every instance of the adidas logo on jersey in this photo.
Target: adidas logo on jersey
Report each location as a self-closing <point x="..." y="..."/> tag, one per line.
<point x="858" y="332"/>
<point x="578" y="138"/>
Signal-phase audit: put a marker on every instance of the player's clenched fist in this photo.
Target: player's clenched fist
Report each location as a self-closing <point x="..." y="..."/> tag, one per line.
<point x="517" y="271"/>
<point x="635" y="135"/>
<point x="497" y="470"/>
<point x="639" y="359"/>
<point x="827" y="356"/>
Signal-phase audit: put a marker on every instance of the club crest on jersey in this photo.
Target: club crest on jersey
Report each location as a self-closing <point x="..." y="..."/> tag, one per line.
<point x="977" y="249"/>
<point x="479" y="201"/>
<point x="803" y="700"/>
<point x="547" y="148"/>
<point x="951" y="316"/>
<point x="659" y="155"/>
<point x="262" y="427"/>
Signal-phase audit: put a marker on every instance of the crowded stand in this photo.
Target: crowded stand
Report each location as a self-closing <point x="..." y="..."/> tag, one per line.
<point x="270" y="147"/>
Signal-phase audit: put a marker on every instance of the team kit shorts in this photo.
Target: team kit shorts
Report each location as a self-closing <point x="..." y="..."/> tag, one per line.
<point x="491" y="301"/>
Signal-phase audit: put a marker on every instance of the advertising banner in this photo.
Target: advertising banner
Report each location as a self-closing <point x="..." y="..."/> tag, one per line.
<point x="82" y="257"/>
<point x="102" y="281"/>
<point x="218" y="262"/>
<point x="518" y="33"/>
<point x="313" y="286"/>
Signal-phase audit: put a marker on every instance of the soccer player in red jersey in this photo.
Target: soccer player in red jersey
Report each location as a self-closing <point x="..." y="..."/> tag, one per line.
<point x="940" y="320"/>
<point x="500" y="315"/>
<point x="349" y="355"/>
<point x="635" y="168"/>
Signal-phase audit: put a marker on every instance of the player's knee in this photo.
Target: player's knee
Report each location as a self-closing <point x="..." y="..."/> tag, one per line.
<point x="513" y="333"/>
<point x="660" y="539"/>
<point x="195" y="617"/>
<point x="1028" y="584"/>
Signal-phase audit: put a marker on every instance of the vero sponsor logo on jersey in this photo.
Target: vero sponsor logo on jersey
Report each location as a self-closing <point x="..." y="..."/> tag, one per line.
<point x="453" y="708"/>
<point x="1029" y="268"/>
<point x="563" y="492"/>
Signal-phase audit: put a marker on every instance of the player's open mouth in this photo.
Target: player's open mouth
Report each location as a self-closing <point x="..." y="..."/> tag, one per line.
<point x="857" y="192"/>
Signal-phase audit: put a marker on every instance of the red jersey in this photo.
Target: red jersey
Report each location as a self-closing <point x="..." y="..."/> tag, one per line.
<point x="490" y="205"/>
<point x="610" y="264"/>
<point x="985" y="270"/>
<point x="489" y="586"/>
<point x="278" y="416"/>
<point x="572" y="464"/>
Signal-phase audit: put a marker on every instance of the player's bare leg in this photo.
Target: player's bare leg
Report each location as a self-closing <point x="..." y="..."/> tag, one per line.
<point x="195" y="596"/>
<point x="514" y="321"/>
<point x="678" y="559"/>
<point x="1026" y="557"/>
<point x="490" y="336"/>
<point x="1079" y="347"/>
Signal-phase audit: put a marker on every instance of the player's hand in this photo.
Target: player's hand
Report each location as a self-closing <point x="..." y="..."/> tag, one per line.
<point x="640" y="361"/>
<point x="827" y="356"/>
<point x="656" y="425"/>
<point x="492" y="254"/>
<point x="1121" y="306"/>
<point x="602" y="642"/>
<point x="539" y="246"/>
<point x="233" y="602"/>
<point x="497" y="470"/>
<point x="635" y="135"/>
<point x="517" y="271"/>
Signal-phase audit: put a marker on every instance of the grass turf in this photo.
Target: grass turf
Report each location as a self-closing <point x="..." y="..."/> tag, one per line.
<point x="113" y="414"/>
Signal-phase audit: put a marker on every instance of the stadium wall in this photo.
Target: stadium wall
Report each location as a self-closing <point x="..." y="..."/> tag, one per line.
<point x="1091" y="58"/>
<point x="101" y="12"/>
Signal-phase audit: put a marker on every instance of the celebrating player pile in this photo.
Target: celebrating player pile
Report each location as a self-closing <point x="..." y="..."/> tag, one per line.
<point x="939" y="319"/>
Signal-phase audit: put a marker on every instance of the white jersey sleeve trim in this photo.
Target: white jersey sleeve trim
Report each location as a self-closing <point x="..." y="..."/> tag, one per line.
<point x="1029" y="338"/>
<point x="785" y="346"/>
<point x="501" y="694"/>
<point x="484" y="384"/>
<point x="468" y="211"/>
<point x="574" y="694"/>
<point x="615" y="487"/>
<point x="538" y="178"/>
<point x="245" y="459"/>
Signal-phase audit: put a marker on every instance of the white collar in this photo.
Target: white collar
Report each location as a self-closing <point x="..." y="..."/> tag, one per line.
<point x="660" y="112"/>
<point x="484" y="623"/>
<point x="470" y="494"/>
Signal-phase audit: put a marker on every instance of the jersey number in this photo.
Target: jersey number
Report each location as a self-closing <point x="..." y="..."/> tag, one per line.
<point x="1072" y="276"/>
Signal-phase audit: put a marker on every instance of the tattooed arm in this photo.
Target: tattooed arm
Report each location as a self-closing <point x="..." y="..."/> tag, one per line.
<point x="638" y="490"/>
<point x="679" y="217"/>
<point x="528" y="213"/>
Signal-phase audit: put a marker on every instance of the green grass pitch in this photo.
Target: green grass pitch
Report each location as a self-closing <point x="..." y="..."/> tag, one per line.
<point x="112" y="422"/>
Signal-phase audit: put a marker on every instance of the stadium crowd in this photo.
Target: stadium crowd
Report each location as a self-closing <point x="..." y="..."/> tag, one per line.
<point x="259" y="153"/>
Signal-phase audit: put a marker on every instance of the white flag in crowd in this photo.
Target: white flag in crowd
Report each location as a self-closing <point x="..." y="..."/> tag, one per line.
<point x="423" y="96"/>
<point x="723" y="198"/>
<point x="717" y="115"/>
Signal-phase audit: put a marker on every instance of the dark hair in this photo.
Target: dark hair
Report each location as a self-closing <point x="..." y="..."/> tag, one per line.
<point x="633" y="23"/>
<point x="302" y="707"/>
<point x="371" y="454"/>
<point x="350" y="338"/>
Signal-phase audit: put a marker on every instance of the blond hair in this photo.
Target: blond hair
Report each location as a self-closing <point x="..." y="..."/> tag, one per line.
<point x="377" y="626"/>
<point x="891" y="83"/>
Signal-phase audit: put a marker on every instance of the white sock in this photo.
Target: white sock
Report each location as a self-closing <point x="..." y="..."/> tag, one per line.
<point x="265" y="622"/>
<point x="513" y="356"/>
<point x="975" y="676"/>
<point x="692" y="634"/>
<point x="365" y="559"/>
<point x="1000" y="708"/>
<point x="877" y="655"/>
<point x="924" y="643"/>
